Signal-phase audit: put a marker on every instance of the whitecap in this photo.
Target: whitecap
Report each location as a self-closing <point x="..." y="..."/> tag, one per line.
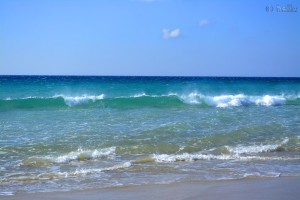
<point x="86" y="155"/>
<point x="77" y="100"/>
<point x="254" y="149"/>
<point x="139" y="95"/>
<point x="98" y="170"/>
<point x="268" y="100"/>
<point x="6" y="193"/>
<point x="186" y="157"/>
<point x="242" y="153"/>
<point x="222" y="101"/>
<point x="258" y="174"/>
<point x="192" y="98"/>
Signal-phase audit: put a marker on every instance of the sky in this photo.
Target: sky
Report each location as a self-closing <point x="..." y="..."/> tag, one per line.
<point x="149" y="38"/>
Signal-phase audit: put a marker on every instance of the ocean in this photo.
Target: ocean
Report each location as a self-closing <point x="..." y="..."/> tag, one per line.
<point x="62" y="133"/>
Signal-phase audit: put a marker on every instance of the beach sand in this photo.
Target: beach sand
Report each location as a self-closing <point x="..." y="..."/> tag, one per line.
<point x="283" y="188"/>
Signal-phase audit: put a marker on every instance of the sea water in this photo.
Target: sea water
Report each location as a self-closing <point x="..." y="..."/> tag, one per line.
<point x="60" y="133"/>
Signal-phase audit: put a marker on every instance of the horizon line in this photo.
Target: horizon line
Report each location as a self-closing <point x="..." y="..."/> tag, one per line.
<point x="167" y="76"/>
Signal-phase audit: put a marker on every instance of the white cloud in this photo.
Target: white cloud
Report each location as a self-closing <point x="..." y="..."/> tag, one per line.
<point x="171" y="33"/>
<point x="203" y="22"/>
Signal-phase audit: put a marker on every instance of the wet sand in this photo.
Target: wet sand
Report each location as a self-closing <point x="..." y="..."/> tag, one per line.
<point x="283" y="188"/>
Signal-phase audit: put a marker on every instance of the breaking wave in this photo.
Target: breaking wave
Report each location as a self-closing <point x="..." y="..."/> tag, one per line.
<point x="144" y="100"/>
<point x="86" y="155"/>
<point x="60" y="175"/>
<point x="77" y="100"/>
<point x="236" y="100"/>
<point x="97" y="170"/>
<point x="238" y="153"/>
<point x="187" y="157"/>
<point x="79" y="155"/>
<point x="56" y="101"/>
<point x="254" y="152"/>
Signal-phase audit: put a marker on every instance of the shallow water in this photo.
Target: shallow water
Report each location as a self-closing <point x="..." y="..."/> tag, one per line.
<point x="63" y="133"/>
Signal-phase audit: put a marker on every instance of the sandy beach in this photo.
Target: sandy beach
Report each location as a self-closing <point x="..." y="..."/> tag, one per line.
<point x="269" y="188"/>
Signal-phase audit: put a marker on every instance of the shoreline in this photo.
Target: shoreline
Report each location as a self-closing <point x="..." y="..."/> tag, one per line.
<point x="252" y="188"/>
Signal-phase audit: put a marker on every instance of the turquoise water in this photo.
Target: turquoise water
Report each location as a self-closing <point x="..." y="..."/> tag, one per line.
<point x="65" y="133"/>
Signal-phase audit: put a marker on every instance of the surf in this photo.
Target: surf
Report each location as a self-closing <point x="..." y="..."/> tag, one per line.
<point x="141" y="100"/>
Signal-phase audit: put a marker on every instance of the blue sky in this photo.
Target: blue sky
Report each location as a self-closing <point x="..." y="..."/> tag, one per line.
<point x="149" y="37"/>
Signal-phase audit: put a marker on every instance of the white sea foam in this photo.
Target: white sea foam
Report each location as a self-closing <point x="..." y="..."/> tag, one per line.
<point x="143" y="94"/>
<point x="186" y="157"/>
<point x="70" y="100"/>
<point x="241" y="99"/>
<point x="223" y="101"/>
<point x="192" y="98"/>
<point x="254" y="149"/>
<point x="86" y="155"/>
<point x="98" y="170"/>
<point x="268" y="100"/>
<point x="258" y="174"/>
<point x="228" y="100"/>
<point x="6" y="193"/>
<point x="77" y="100"/>
<point x="79" y="155"/>
<point x="24" y="98"/>
<point x="233" y="100"/>
<point x="24" y="177"/>
<point x="242" y="153"/>
<point x="140" y="95"/>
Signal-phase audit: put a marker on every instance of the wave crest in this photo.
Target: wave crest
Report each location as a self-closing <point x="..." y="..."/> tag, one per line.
<point x="77" y="100"/>
<point x="242" y="153"/>
<point x="233" y="100"/>
<point x="98" y="170"/>
<point x="79" y="155"/>
<point x="86" y="155"/>
<point x="143" y="99"/>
